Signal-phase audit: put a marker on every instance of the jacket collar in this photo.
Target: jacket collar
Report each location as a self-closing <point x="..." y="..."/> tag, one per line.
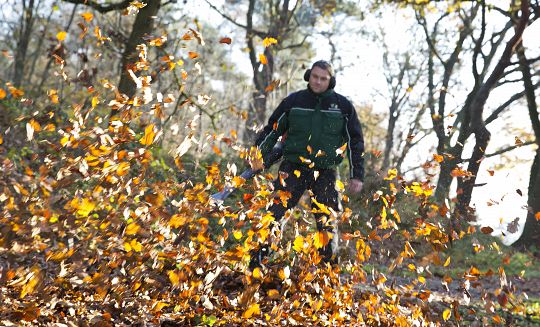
<point x="321" y="95"/>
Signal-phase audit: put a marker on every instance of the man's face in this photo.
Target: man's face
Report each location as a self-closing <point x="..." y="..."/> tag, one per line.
<point x="319" y="80"/>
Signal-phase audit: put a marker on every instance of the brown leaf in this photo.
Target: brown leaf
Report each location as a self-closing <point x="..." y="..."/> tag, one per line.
<point x="486" y="230"/>
<point x="513" y="226"/>
<point x="226" y="40"/>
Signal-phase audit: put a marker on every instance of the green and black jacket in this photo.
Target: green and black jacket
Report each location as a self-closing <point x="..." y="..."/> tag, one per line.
<point x="315" y="128"/>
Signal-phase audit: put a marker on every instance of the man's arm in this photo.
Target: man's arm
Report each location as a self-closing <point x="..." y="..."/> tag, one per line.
<point x="276" y="127"/>
<point x="355" y="144"/>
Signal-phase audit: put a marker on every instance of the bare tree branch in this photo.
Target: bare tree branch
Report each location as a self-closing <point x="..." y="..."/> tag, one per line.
<point x="100" y="7"/>
<point x="232" y="20"/>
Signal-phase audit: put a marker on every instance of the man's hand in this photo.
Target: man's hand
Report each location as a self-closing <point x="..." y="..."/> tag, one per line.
<point x="355" y="185"/>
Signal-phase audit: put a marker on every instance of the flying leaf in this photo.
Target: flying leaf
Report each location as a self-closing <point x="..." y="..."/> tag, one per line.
<point x="438" y="158"/>
<point x="268" y="41"/>
<point x="518" y="141"/>
<point x="297" y="173"/>
<point x="262" y="59"/>
<point x="341" y="149"/>
<point x="237" y="234"/>
<point x="298" y="244"/>
<point x="339" y="185"/>
<point x="252" y="310"/>
<point x="392" y="173"/>
<point x="193" y="55"/>
<point x="61" y="36"/>
<point x="257" y="273"/>
<point x="446" y="314"/>
<point x="132" y="229"/>
<point x="513" y="227"/>
<point x="537" y="216"/>
<point x="447" y="262"/>
<point x="486" y="230"/>
<point x="321" y="239"/>
<point x="149" y="135"/>
<point x="226" y="40"/>
<point x="3" y="94"/>
<point x="87" y="16"/>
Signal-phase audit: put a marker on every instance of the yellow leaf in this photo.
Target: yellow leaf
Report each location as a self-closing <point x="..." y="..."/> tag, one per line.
<point x="34" y="279"/>
<point x="438" y="158"/>
<point x="447" y="262"/>
<point x="273" y="294"/>
<point x="95" y="101"/>
<point x="269" y="41"/>
<point x="262" y="59"/>
<point x="61" y="36"/>
<point x="421" y="279"/>
<point x="123" y="168"/>
<point x="339" y="185"/>
<point x="159" y="305"/>
<point x="446" y="314"/>
<point x="83" y="207"/>
<point x="257" y="273"/>
<point x="132" y="229"/>
<point x="297" y="173"/>
<point x="127" y="247"/>
<point x="149" y="135"/>
<point x="392" y="173"/>
<point x="135" y="245"/>
<point x="2" y="94"/>
<point x="173" y="277"/>
<point x="252" y="310"/>
<point x="88" y="16"/>
<point x="298" y="244"/>
<point x="237" y="234"/>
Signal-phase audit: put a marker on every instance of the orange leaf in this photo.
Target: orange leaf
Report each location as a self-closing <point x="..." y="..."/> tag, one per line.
<point x="438" y="158"/>
<point x="225" y="40"/>
<point x="216" y="150"/>
<point x="88" y="16"/>
<point x="149" y="135"/>
<point x="262" y="59"/>
<point x="537" y="216"/>
<point x="2" y="94"/>
<point x="193" y="55"/>
<point x="321" y="239"/>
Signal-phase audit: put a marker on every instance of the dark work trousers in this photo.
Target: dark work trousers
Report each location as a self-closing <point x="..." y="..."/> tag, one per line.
<point x="324" y="192"/>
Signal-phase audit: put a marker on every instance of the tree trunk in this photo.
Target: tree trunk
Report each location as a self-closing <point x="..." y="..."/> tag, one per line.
<point x="143" y="25"/>
<point x="531" y="231"/>
<point x="26" y="30"/>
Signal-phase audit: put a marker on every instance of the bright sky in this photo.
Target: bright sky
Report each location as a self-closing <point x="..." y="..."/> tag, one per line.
<point x="497" y="203"/>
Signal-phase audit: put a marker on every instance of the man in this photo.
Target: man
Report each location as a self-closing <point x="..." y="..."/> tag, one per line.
<point x="318" y="127"/>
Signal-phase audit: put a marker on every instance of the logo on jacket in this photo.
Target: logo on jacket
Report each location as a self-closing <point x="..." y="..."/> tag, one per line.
<point x="334" y="107"/>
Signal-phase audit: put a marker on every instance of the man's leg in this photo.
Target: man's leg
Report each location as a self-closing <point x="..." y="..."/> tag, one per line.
<point x="324" y="192"/>
<point x="286" y="182"/>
